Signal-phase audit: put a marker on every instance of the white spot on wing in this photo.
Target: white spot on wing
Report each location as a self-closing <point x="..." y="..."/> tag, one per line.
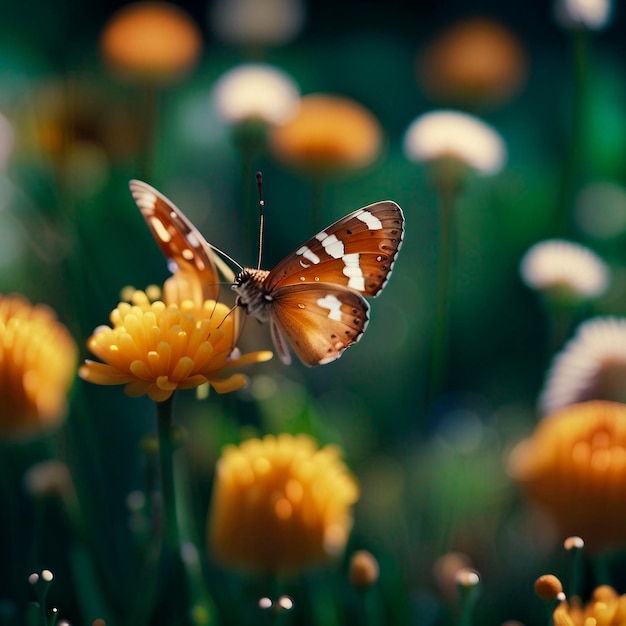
<point x="160" y="230"/>
<point x="333" y="304"/>
<point x="308" y="254"/>
<point x="370" y="220"/>
<point x="192" y="240"/>
<point x="333" y="246"/>
<point x="352" y="269"/>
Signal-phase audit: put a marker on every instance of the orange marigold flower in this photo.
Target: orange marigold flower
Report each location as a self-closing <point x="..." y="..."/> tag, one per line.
<point x="154" y="348"/>
<point x="574" y="467"/>
<point x="328" y="134"/>
<point x="280" y="504"/>
<point x="37" y="367"/>
<point x="605" y="608"/>
<point x="474" y="62"/>
<point x="151" y="40"/>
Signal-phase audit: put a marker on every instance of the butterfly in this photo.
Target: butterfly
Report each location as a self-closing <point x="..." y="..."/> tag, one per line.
<point x="314" y="298"/>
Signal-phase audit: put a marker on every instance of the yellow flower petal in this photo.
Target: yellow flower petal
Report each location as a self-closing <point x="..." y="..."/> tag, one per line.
<point x="102" y="374"/>
<point x="234" y="382"/>
<point x="155" y="349"/>
<point x="280" y="504"/>
<point x="37" y="367"/>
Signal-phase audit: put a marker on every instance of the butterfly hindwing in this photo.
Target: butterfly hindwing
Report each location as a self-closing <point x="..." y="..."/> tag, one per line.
<point x="313" y="298"/>
<point x="196" y="274"/>
<point x="356" y="252"/>
<point x="318" y="321"/>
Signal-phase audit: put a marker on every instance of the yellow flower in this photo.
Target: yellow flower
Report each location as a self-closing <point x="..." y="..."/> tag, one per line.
<point x="280" y="504"/>
<point x="153" y="41"/>
<point x="37" y="366"/>
<point x="326" y="135"/>
<point x="574" y="467"/>
<point x="154" y="348"/>
<point x="605" y="608"/>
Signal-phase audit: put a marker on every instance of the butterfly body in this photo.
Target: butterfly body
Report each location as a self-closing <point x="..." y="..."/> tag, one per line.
<point x="251" y="295"/>
<point x="314" y="298"/>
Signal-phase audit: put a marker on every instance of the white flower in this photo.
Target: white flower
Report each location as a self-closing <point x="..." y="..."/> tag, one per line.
<point x="256" y="91"/>
<point x="270" y="22"/>
<point x="592" y="366"/>
<point x="442" y="134"/>
<point x="565" y="268"/>
<point x="591" y="14"/>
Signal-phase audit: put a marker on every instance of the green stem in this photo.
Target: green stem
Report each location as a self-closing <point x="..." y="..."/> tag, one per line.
<point x="148" y="127"/>
<point x="601" y="570"/>
<point x="572" y="171"/>
<point x="175" y="590"/>
<point x="577" y="568"/>
<point x="448" y="195"/>
<point x="250" y="137"/>
<point x="317" y="201"/>
<point x="166" y="464"/>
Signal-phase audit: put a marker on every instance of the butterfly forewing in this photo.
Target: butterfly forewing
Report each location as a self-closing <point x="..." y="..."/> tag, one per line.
<point x="356" y="252"/>
<point x="313" y="298"/>
<point x="319" y="322"/>
<point x="196" y="273"/>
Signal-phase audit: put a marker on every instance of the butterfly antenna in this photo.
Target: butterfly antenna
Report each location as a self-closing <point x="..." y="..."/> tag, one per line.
<point x="259" y="183"/>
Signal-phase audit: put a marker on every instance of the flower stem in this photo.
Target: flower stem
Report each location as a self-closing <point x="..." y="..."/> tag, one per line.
<point x="166" y="463"/>
<point x="318" y="185"/>
<point x="575" y="151"/>
<point x="148" y="127"/>
<point x="439" y="356"/>
<point x="175" y="580"/>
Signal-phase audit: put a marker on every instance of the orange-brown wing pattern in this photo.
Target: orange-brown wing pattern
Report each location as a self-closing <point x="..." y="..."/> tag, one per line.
<point x="319" y="322"/>
<point x="357" y="252"/>
<point x="195" y="274"/>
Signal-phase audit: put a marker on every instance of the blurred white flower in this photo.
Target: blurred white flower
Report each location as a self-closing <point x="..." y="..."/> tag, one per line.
<point x="600" y="209"/>
<point x="591" y="14"/>
<point x="7" y="140"/>
<point x="48" y="478"/>
<point x="451" y="134"/>
<point x="592" y="366"/>
<point x="269" y="22"/>
<point x="256" y="91"/>
<point x="564" y="269"/>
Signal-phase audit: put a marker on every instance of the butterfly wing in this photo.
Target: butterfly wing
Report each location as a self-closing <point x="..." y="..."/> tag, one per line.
<point x="356" y="252"/>
<point x="318" y="321"/>
<point x="196" y="274"/>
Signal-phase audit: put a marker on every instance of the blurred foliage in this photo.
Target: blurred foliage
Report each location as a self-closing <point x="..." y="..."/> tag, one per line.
<point x="432" y="473"/>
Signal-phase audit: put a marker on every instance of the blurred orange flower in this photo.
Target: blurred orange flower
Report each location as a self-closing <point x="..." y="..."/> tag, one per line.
<point x="37" y="367"/>
<point x="574" y="467"/>
<point x="154" y="348"/>
<point x="605" y="608"/>
<point x="328" y="134"/>
<point x="280" y="504"/>
<point x="153" y="41"/>
<point x="475" y="62"/>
